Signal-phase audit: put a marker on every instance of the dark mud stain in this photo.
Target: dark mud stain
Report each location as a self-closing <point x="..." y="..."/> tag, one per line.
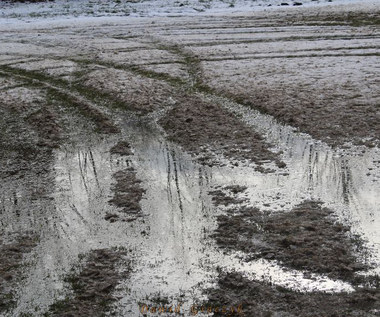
<point x="93" y="286"/>
<point x="260" y="299"/>
<point x="127" y="195"/>
<point x="47" y="127"/>
<point x="222" y="196"/>
<point x="11" y="257"/>
<point x="122" y="148"/>
<point x="331" y="120"/>
<point x="205" y="128"/>
<point x="102" y="122"/>
<point x="24" y="140"/>
<point x="306" y="238"/>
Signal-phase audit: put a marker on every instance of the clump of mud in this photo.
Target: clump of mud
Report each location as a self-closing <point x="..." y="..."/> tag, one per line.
<point x="93" y="286"/>
<point x="222" y="197"/>
<point x="122" y="148"/>
<point x="11" y="257"/>
<point x="207" y="129"/>
<point x="264" y="300"/>
<point x="127" y="195"/>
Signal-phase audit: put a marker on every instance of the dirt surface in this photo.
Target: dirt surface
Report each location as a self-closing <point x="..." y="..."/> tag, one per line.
<point x="266" y="300"/>
<point x="93" y="286"/>
<point x="11" y="261"/>
<point x="319" y="91"/>
<point x="305" y="238"/>
<point x="127" y="195"/>
<point x="122" y="148"/>
<point x="216" y="192"/>
<point x="207" y="129"/>
<point x="49" y="132"/>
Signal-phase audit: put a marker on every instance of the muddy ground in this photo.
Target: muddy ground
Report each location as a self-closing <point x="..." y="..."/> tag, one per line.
<point x="203" y="128"/>
<point x="227" y="160"/>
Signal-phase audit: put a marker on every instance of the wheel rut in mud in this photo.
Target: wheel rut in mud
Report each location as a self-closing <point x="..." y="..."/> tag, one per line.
<point x="135" y="136"/>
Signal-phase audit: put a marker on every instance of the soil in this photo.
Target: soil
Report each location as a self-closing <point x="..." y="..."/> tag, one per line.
<point x="127" y="195"/>
<point x="45" y="122"/>
<point x="11" y="259"/>
<point x="205" y="129"/>
<point x="329" y="94"/>
<point x="122" y="148"/>
<point x="333" y="121"/>
<point x="261" y="299"/>
<point x="280" y="64"/>
<point x="93" y="286"/>
<point x="305" y="238"/>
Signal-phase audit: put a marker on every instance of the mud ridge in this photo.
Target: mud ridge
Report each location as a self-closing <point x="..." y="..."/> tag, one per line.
<point x="122" y="148"/>
<point x="205" y="129"/>
<point x="93" y="286"/>
<point x="261" y="299"/>
<point x="127" y="195"/>
<point x="11" y="258"/>
<point x="306" y="238"/>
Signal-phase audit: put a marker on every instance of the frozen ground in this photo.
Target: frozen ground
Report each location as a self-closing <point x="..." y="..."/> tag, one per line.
<point x="145" y="160"/>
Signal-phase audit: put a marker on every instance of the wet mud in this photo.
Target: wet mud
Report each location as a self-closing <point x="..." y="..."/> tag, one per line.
<point x="49" y="131"/>
<point x="11" y="271"/>
<point x="122" y="148"/>
<point x="103" y="147"/>
<point x="127" y="195"/>
<point x="307" y="238"/>
<point x="336" y="122"/>
<point x="265" y="300"/>
<point x="207" y="130"/>
<point x="93" y="287"/>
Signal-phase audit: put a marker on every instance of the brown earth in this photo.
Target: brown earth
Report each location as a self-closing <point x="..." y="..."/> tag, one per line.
<point x="122" y="148"/>
<point x="205" y="128"/>
<point x="93" y="286"/>
<point x="305" y="238"/>
<point x="259" y="299"/>
<point x="331" y="120"/>
<point x="127" y="195"/>
<point x="11" y="258"/>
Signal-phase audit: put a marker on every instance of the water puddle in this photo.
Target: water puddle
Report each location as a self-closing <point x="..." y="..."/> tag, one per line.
<point x="173" y="256"/>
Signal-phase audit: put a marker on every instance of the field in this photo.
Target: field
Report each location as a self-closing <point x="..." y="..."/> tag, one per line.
<point x="221" y="162"/>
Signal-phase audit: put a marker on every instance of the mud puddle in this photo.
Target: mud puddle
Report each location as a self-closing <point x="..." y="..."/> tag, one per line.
<point x="173" y="257"/>
<point x="345" y="180"/>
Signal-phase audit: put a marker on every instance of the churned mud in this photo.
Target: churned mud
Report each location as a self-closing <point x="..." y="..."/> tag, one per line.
<point x="205" y="129"/>
<point x="127" y="190"/>
<point x="93" y="286"/>
<point x="122" y="148"/>
<point x="11" y="261"/>
<point x="323" y="85"/>
<point x="306" y="238"/>
<point x="265" y="300"/>
<point x="178" y="140"/>
<point x="127" y="195"/>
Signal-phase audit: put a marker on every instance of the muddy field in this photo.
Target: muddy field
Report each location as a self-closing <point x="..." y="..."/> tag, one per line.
<point x="223" y="164"/>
